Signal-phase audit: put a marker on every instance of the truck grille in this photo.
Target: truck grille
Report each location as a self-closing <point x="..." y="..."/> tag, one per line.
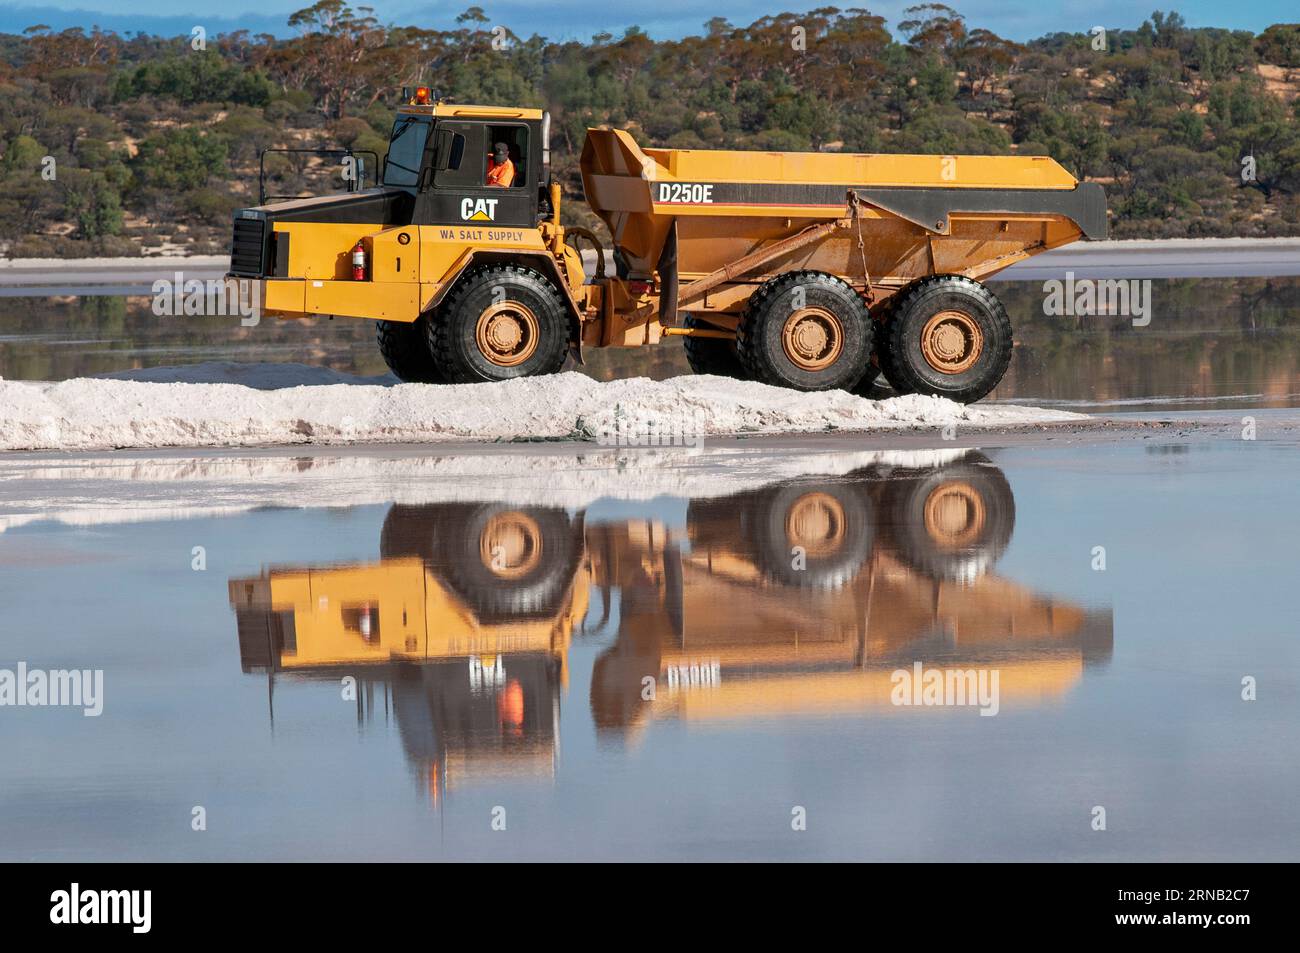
<point x="248" y="249"/>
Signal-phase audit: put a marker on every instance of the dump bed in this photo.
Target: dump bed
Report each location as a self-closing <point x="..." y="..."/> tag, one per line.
<point x="990" y="210"/>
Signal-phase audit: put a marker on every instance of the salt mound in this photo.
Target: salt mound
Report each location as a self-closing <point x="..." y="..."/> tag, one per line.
<point x="93" y="414"/>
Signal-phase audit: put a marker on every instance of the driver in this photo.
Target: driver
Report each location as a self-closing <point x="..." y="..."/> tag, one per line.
<point x="500" y="171"/>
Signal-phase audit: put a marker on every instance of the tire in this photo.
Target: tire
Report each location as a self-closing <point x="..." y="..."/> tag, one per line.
<point x="839" y="543"/>
<point x="867" y="382"/>
<point x="417" y="529"/>
<point x="872" y="377"/>
<point x="951" y="522"/>
<point x="405" y="347"/>
<point x="529" y="583"/>
<point x="831" y="521"/>
<point x="976" y="331"/>
<point x="714" y="356"/>
<point x="887" y="370"/>
<point x="526" y="306"/>
<point x="831" y="309"/>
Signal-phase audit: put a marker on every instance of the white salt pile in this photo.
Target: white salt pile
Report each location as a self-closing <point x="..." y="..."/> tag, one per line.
<point x="170" y="411"/>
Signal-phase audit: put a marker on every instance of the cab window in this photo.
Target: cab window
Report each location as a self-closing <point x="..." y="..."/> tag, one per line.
<point x="515" y="140"/>
<point x="458" y="160"/>
<point x="406" y="151"/>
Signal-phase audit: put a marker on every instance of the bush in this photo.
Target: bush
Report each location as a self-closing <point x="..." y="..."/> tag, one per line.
<point x="179" y="160"/>
<point x="195" y="77"/>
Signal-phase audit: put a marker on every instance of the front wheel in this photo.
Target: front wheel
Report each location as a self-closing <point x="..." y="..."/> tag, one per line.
<point x="948" y="336"/>
<point x="499" y="323"/>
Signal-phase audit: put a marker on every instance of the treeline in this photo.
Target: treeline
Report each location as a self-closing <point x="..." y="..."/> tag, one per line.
<point x="112" y="144"/>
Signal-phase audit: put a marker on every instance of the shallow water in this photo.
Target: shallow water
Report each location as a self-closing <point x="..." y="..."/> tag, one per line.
<point x="672" y="677"/>
<point x="1210" y="343"/>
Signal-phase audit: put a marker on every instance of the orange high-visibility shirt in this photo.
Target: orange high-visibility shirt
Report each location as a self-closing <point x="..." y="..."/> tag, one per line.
<point x="500" y="175"/>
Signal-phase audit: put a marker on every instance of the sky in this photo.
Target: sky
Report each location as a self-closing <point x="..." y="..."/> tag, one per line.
<point x="577" y="19"/>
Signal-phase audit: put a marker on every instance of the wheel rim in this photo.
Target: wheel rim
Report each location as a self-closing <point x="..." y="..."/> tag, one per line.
<point x="507" y="333"/>
<point x="812" y="339"/>
<point x="510" y="545"/>
<point x="955" y="516"/>
<point x="816" y="522"/>
<point x="952" y="342"/>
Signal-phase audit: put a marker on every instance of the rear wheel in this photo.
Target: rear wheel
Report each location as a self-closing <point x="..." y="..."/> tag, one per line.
<point x="953" y="522"/>
<point x="829" y="526"/>
<point x="804" y="535"/>
<point x="806" y="330"/>
<point x="500" y="323"/>
<point x="873" y="377"/>
<point x="948" y="336"/>
<point x="883" y="353"/>
<point x="715" y="356"/>
<point x="405" y="347"/>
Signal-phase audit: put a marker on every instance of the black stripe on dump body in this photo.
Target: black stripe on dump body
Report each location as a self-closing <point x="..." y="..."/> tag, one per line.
<point x="1085" y="204"/>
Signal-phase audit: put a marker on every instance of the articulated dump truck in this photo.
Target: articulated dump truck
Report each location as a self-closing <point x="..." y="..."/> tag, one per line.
<point x="812" y="271"/>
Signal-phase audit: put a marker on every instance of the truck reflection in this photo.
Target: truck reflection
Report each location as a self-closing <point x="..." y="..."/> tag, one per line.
<point x="471" y="647"/>
<point x="797" y="598"/>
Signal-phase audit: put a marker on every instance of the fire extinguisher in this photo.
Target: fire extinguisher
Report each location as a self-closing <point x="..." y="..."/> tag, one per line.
<point x="358" y="262"/>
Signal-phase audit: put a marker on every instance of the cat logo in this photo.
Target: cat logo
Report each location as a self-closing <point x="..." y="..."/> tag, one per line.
<point x="478" y="210"/>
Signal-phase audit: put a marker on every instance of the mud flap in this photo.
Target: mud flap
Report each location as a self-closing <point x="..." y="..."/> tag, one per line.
<point x="668" y="283"/>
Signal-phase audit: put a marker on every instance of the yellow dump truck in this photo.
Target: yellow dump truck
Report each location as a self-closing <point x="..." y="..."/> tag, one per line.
<point x="812" y="271"/>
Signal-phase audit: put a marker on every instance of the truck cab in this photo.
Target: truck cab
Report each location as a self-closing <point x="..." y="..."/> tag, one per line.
<point x="441" y="154"/>
<point x="435" y="173"/>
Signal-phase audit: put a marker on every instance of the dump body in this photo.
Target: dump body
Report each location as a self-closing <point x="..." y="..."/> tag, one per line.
<point x="921" y="215"/>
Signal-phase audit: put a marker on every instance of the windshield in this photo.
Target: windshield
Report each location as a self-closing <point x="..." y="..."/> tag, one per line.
<point x="406" y="151"/>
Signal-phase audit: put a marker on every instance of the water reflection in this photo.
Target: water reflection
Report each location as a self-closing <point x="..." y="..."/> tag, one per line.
<point x="799" y="598"/>
<point x="1212" y="343"/>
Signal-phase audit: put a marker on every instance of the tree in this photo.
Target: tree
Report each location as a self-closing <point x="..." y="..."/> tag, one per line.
<point x="983" y="56"/>
<point x="1280" y="44"/>
<point x="91" y="203"/>
<point x="933" y="28"/>
<point x="334" y="51"/>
